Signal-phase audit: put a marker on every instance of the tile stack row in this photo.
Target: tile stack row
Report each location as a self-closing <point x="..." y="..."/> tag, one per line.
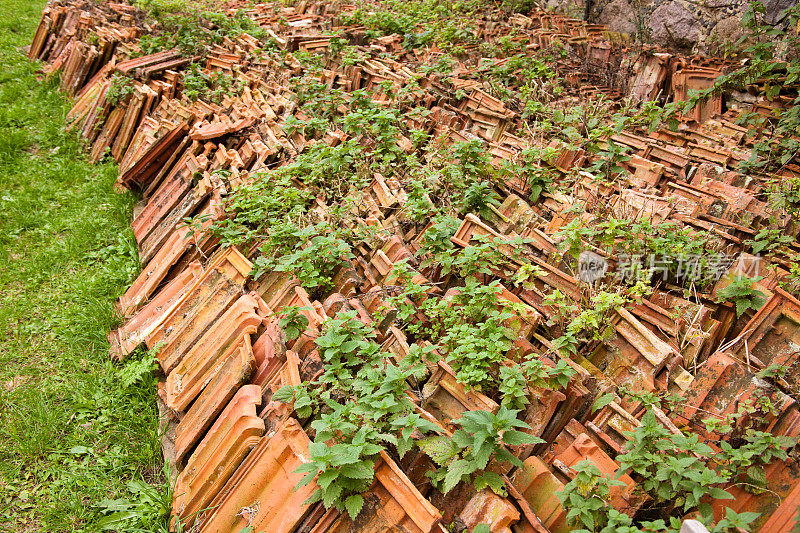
<point x="217" y="334"/>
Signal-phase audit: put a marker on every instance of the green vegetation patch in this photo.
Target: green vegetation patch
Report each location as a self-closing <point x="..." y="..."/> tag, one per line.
<point x="76" y="445"/>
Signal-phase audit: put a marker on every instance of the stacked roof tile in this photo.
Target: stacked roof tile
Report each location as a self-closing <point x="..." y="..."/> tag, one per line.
<point x="216" y="330"/>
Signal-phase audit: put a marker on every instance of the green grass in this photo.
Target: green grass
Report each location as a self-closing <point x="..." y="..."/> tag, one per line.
<point x="71" y="436"/>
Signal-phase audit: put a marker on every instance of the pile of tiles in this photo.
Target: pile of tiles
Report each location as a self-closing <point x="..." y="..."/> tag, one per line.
<point x="216" y="330"/>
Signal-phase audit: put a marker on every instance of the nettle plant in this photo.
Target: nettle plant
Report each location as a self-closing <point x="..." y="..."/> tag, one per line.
<point x="675" y="252"/>
<point x="471" y="328"/>
<point x="361" y="408"/>
<point x="768" y="239"/>
<point x="256" y="209"/>
<point x="463" y="176"/>
<point x="742" y="292"/>
<point x="316" y="262"/>
<point x="121" y="88"/>
<point x="211" y="87"/>
<point x="465" y="456"/>
<point x="529" y="168"/>
<point x="672" y="466"/>
<point x="677" y="471"/>
<point x="272" y="213"/>
<point x="293" y="321"/>
<point x="515" y="380"/>
<point x="193" y="33"/>
<point x="589" y="322"/>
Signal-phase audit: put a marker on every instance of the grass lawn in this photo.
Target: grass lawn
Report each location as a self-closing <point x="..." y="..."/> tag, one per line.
<point x="75" y="444"/>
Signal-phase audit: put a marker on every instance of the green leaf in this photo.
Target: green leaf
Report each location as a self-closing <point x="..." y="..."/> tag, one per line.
<point x="115" y="520"/>
<point x="518" y="438"/>
<point x="719" y="494"/>
<point x="327" y="477"/>
<point x="344" y="455"/>
<point x="739" y="520"/>
<point x="482" y="455"/>
<point x="318" y="450"/>
<point x="438" y="447"/>
<point x="742" y="305"/>
<point x="371" y="448"/>
<point x="461" y="438"/>
<point x="284" y="394"/>
<point x="602" y="401"/>
<point x="308" y="478"/>
<point x="354" y="504"/>
<point x="330" y="496"/>
<point x="363" y="470"/>
<point x="314" y="498"/>
<point x="491" y="479"/>
<point x="455" y="472"/>
<point x="307" y="467"/>
<point x="79" y="450"/>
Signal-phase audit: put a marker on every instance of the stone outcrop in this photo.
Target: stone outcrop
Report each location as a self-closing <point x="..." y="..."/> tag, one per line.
<point x="705" y="26"/>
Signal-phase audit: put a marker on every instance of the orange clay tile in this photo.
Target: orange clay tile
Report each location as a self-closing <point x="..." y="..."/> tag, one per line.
<point x="274" y="285"/>
<point x="722" y="385"/>
<point x="167" y="256"/>
<point x="227" y="443"/>
<point x="299" y="297"/>
<point x="584" y="448"/>
<point x="172" y="219"/>
<point x="216" y="289"/>
<point x="472" y="227"/>
<point x="274" y="413"/>
<point x="782" y="481"/>
<point x="773" y="334"/>
<point x="269" y="351"/>
<point x="288" y="373"/>
<point x="783" y="520"/>
<point x="165" y="198"/>
<point x="647" y="343"/>
<point x="156" y="270"/>
<point x="131" y="334"/>
<point x="525" y="319"/>
<point x="544" y="403"/>
<point x="636" y="355"/>
<point x="183" y="329"/>
<point x="261" y="493"/>
<point x="393" y="503"/>
<point x="488" y="508"/>
<point x="235" y="368"/>
<point x="396" y="344"/>
<point x="153" y="158"/>
<point x="539" y="486"/>
<point x="202" y="361"/>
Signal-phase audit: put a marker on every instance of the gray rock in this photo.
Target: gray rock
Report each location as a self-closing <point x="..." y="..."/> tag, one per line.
<point x="618" y="16"/>
<point x="775" y="8"/>
<point x="728" y="30"/>
<point x="674" y="25"/>
<point x="737" y="5"/>
<point x="572" y="8"/>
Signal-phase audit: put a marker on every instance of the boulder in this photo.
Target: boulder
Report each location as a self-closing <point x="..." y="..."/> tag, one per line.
<point x="774" y="9"/>
<point x="728" y="30"/>
<point x="618" y="16"/>
<point x="674" y="25"/>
